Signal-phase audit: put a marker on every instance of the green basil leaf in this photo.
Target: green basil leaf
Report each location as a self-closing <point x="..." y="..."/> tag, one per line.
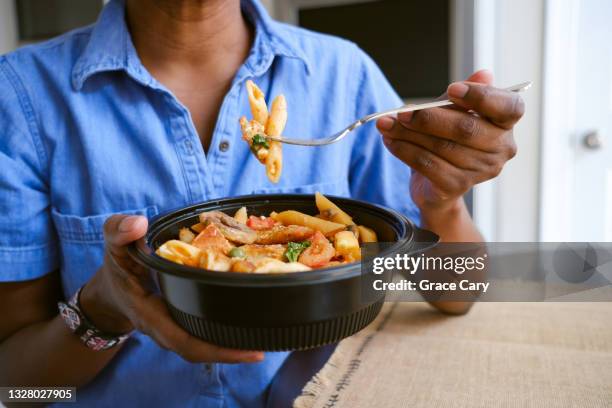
<point x="260" y="141"/>
<point x="294" y="249"/>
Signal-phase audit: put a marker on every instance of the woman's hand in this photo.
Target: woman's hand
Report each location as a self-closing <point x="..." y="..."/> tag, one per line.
<point x="452" y="149"/>
<point x="121" y="297"/>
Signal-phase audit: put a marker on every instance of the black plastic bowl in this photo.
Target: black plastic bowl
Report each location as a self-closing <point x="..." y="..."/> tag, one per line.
<point x="272" y="312"/>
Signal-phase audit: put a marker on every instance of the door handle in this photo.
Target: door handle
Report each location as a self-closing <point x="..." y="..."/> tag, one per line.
<point x="593" y="140"/>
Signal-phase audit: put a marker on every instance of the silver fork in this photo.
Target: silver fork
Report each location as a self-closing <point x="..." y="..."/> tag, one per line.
<point x="408" y="108"/>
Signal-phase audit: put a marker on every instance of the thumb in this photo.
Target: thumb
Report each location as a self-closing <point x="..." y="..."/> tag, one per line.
<point x="484" y="76"/>
<point x="121" y="230"/>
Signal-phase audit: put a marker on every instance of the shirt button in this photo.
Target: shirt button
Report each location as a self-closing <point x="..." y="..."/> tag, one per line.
<point x="224" y="146"/>
<point x="189" y="146"/>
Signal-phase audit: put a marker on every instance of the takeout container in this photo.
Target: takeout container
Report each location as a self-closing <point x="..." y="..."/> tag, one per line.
<point x="273" y="312"/>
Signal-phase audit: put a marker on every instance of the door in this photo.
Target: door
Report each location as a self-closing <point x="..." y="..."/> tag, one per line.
<point x="577" y="141"/>
<point x="592" y="220"/>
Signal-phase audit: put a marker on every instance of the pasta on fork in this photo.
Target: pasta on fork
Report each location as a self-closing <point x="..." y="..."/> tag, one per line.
<point x="264" y="124"/>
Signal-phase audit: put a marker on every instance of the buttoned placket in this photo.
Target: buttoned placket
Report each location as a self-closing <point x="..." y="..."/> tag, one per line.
<point x="190" y="152"/>
<point x="219" y="153"/>
<point x="205" y="175"/>
<point x="186" y="141"/>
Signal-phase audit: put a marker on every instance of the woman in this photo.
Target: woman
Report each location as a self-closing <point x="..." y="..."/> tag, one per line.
<point x="138" y="114"/>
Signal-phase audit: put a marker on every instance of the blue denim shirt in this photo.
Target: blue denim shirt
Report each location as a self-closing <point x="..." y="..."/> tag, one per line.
<point x="87" y="132"/>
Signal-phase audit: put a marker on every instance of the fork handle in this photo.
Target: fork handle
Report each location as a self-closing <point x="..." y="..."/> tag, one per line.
<point x="411" y="108"/>
<point x="406" y="108"/>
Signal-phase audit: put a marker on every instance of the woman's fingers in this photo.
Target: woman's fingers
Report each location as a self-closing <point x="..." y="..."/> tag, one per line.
<point x="444" y="161"/>
<point x="155" y="321"/>
<point x="460" y="127"/>
<point x="440" y="172"/>
<point x="121" y="230"/>
<point x="456" y="154"/>
<point x="504" y="108"/>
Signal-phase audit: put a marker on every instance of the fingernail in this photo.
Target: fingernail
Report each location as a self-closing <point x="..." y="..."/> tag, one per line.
<point x="256" y="356"/>
<point x="458" y="90"/>
<point x="386" y="123"/>
<point x="129" y="223"/>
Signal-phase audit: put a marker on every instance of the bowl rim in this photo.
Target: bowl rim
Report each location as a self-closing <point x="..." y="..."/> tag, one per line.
<point x="142" y="253"/>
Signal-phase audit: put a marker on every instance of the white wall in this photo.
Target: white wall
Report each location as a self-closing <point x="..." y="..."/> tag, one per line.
<point x="519" y="32"/>
<point x="508" y="37"/>
<point x="8" y="26"/>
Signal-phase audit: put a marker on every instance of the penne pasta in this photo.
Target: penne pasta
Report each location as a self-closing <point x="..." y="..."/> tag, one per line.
<point x="274" y="162"/>
<point x="269" y="265"/>
<point x="347" y="245"/>
<point x="366" y="234"/>
<point x="257" y="100"/>
<point x="180" y="252"/>
<point x="292" y="217"/>
<point x="277" y="118"/>
<point x="330" y="211"/>
<point x="274" y="127"/>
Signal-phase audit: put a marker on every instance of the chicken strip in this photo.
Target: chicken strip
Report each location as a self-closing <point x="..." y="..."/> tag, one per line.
<point x="229" y="227"/>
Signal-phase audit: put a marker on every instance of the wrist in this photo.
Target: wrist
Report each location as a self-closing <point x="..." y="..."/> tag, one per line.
<point x="443" y="211"/>
<point x="451" y="220"/>
<point x="100" y="312"/>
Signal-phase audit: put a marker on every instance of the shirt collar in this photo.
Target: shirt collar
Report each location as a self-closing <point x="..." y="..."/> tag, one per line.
<point x="110" y="46"/>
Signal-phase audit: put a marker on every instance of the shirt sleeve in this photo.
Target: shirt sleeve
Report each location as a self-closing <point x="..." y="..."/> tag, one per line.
<point x="27" y="238"/>
<point x="376" y="175"/>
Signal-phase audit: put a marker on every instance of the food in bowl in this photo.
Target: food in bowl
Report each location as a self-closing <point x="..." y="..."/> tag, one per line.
<point x="282" y="242"/>
<point x="274" y="311"/>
